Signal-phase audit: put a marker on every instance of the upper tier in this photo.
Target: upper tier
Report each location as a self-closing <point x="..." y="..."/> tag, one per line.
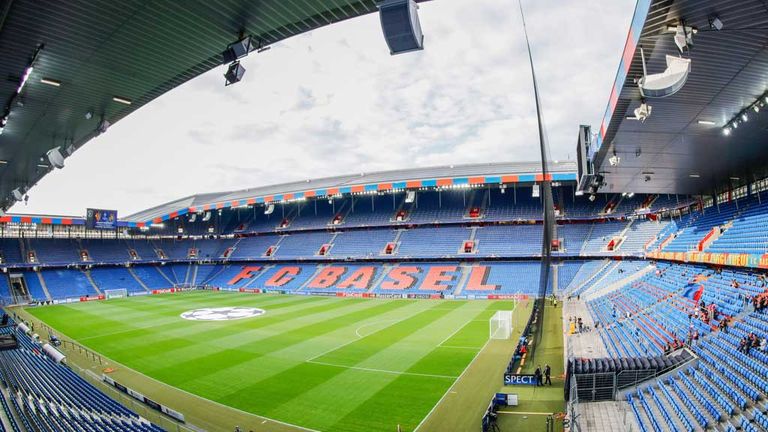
<point x="425" y="207"/>
<point x="599" y="238"/>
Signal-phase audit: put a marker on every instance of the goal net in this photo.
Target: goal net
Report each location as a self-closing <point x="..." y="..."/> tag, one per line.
<point x="115" y="293"/>
<point x="501" y="325"/>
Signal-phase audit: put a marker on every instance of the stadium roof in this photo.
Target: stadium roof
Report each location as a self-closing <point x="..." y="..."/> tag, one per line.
<point x="488" y="173"/>
<point x="681" y="147"/>
<point x="99" y="50"/>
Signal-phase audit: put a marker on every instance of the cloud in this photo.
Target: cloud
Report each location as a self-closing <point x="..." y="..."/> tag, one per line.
<point x="335" y="102"/>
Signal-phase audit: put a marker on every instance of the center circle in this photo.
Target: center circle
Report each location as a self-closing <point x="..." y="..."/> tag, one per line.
<point x="222" y="313"/>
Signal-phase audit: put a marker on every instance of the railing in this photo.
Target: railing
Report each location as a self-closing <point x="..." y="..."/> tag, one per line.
<point x="595" y="387"/>
<point x="573" y="408"/>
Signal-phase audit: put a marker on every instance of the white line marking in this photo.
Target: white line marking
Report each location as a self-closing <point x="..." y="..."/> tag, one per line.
<point x="355" y="340"/>
<point x="357" y="330"/>
<point x="451" y="387"/>
<point x="452" y="334"/>
<point x="457" y="347"/>
<point x="383" y="370"/>
<point x="179" y="389"/>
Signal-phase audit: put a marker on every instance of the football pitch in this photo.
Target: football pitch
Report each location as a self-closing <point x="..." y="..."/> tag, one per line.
<point x="319" y="363"/>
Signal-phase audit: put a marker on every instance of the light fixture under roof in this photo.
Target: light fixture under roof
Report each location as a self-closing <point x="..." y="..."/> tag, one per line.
<point x="726" y="131"/>
<point x="744" y="117"/>
<point x="735" y="178"/>
<point x="3" y="161"/>
<point x="694" y="175"/>
<point x="121" y="100"/>
<point x="706" y="122"/>
<point x="50" y="82"/>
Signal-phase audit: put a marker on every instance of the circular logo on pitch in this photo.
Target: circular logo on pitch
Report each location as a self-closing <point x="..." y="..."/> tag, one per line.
<point x="222" y="313"/>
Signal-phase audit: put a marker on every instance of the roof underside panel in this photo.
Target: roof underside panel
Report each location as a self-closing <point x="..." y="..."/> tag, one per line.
<point x="671" y="151"/>
<point x="136" y="50"/>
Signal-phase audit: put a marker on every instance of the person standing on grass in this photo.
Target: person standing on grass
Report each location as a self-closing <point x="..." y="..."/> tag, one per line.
<point x="547" y="373"/>
<point x="537" y="374"/>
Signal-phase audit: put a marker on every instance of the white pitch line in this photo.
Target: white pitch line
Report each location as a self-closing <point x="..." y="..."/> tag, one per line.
<point x="163" y="384"/>
<point x="450" y="389"/>
<point x="357" y="330"/>
<point x="458" y="347"/>
<point x="452" y="334"/>
<point x="355" y="340"/>
<point x="383" y="370"/>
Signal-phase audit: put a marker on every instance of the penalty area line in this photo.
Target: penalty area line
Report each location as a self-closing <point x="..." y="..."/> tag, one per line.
<point x="383" y="370"/>
<point x="394" y="321"/>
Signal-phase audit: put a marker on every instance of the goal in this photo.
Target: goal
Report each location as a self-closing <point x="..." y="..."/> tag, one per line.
<point x="501" y="325"/>
<point x="115" y="293"/>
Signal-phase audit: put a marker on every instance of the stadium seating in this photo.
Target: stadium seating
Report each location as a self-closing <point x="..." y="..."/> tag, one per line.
<point x="115" y="278"/>
<point x="53" y="398"/>
<point x="63" y="283"/>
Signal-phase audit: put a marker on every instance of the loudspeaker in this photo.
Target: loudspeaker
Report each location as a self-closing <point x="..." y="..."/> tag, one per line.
<point x="234" y="73"/>
<point x="400" y="24"/>
<point x="55" y="158"/>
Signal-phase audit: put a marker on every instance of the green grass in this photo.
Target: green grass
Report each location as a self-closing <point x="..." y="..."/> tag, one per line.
<point x="536" y="402"/>
<point x="330" y="364"/>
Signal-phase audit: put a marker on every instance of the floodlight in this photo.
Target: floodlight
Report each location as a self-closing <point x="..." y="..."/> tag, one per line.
<point x="55" y="157"/>
<point x="643" y="112"/>
<point x="238" y="50"/>
<point x="592" y="197"/>
<point x="715" y="23"/>
<point x="234" y="74"/>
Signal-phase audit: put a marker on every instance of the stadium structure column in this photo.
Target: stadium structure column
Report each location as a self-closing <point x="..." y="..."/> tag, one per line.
<point x="548" y="225"/>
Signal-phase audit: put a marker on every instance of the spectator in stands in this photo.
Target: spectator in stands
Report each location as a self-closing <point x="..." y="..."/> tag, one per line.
<point x="763" y="344"/>
<point x="547" y="373"/>
<point x="723" y="325"/>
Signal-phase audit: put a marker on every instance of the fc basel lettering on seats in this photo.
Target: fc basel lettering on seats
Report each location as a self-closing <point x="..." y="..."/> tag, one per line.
<point x="423" y="277"/>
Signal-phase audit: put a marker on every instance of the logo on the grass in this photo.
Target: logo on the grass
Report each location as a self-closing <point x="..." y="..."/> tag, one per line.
<point x="222" y="313"/>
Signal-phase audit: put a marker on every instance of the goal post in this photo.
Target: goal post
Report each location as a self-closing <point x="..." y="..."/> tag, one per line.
<point x="115" y="293"/>
<point x="501" y="325"/>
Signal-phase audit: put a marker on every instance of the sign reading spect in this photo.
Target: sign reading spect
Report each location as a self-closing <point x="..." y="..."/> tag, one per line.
<point x="519" y="379"/>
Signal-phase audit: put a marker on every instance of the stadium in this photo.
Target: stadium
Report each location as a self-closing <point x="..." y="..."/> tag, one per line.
<point x="622" y="290"/>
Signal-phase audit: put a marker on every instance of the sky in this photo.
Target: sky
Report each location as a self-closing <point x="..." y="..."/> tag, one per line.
<point x="333" y="101"/>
